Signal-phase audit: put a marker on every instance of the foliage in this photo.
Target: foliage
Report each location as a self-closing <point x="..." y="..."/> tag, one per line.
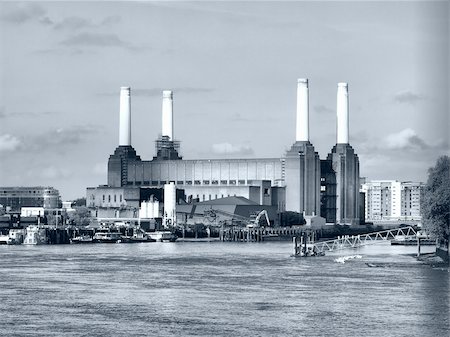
<point x="435" y="204"/>
<point x="291" y="218"/>
<point x="79" y="202"/>
<point x="80" y="217"/>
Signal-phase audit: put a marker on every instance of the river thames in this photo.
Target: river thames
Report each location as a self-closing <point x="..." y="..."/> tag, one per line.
<point x="219" y="289"/>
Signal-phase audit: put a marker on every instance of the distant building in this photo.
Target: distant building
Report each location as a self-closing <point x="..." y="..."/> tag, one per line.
<point x="391" y="200"/>
<point x="17" y="197"/>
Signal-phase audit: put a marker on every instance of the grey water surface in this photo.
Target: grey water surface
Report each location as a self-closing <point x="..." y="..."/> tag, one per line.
<point x="218" y="289"/>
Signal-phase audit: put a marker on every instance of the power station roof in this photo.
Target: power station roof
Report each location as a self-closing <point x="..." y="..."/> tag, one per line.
<point x="235" y="201"/>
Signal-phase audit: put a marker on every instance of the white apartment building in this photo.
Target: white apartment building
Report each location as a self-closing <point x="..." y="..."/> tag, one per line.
<point x="391" y="200"/>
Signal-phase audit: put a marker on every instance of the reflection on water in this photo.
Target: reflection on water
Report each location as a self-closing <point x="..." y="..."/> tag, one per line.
<point x="218" y="289"/>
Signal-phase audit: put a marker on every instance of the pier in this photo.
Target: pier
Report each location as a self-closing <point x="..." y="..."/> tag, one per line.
<point x="354" y="241"/>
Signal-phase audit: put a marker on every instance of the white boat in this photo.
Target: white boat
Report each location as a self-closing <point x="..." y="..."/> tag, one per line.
<point x="35" y="235"/>
<point x="5" y="240"/>
<point x="81" y="239"/>
<point x="107" y="235"/>
<point x="162" y="236"/>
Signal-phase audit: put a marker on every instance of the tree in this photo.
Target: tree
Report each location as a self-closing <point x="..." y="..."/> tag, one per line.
<point x="79" y="202"/>
<point x="435" y="204"/>
<point x="80" y="217"/>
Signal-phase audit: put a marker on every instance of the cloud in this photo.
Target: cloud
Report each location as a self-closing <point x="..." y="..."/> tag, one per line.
<point x="73" y="23"/>
<point x="110" y="20"/>
<point x="53" y="172"/>
<point x="9" y="143"/>
<point x="24" y="13"/>
<point x="407" y="96"/>
<point x="323" y="109"/>
<point x="95" y="40"/>
<point x="6" y="114"/>
<point x="76" y="23"/>
<point x="63" y="137"/>
<point x="229" y="149"/>
<point x="405" y="139"/>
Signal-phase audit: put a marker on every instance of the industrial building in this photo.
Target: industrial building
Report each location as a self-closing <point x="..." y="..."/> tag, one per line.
<point x="298" y="181"/>
<point x="391" y="200"/>
<point x="14" y="198"/>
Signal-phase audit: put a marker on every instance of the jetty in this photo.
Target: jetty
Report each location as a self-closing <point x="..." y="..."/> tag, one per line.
<point x="304" y="244"/>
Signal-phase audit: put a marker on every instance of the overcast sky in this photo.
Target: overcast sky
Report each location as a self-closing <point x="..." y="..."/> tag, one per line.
<point x="233" y="67"/>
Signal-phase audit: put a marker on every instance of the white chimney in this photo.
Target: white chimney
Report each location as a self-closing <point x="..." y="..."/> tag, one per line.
<point x="342" y="114"/>
<point x="170" y="204"/>
<point x="125" y="117"/>
<point x="167" y="114"/>
<point x="302" y="130"/>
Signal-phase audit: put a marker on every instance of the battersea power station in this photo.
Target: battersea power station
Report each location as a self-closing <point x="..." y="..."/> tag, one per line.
<point x="173" y="188"/>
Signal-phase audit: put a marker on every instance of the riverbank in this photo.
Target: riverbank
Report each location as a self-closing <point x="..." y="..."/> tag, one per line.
<point x="433" y="260"/>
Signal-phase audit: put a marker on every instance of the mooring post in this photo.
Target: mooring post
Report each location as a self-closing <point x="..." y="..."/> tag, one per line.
<point x="294" y="240"/>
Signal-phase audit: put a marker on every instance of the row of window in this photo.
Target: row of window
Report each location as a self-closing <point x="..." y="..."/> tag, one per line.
<point x="209" y="196"/>
<point x="193" y="182"/>
<point x="109" y="198"/>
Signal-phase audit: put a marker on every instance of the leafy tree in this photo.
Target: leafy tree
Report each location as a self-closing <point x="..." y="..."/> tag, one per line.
<point x="80" y="217"/>
<point x="435" y="204"/>
<point x="79" y="202"/>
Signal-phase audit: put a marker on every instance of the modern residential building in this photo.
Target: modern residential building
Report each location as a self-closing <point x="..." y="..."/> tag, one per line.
<point x="391" y="200"/>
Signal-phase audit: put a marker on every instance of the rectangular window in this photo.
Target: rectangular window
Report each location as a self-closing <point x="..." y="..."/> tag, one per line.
<point x="120" y="198"/>
<point x="115" y="198"/>
<point x="179" y="182"/>
<point x="109" y="198"/>
<point x="103" y="198"/>
<point x="197" y="182"/>
<point x="205" y="182"/>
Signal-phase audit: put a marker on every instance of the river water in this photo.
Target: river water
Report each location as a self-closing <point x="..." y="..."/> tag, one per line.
<point x="218" y="289"/>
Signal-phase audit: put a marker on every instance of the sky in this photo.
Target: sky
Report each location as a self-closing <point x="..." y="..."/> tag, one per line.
<point x="233" y="68"/>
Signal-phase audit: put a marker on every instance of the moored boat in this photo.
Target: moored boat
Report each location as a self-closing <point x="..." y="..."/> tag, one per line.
<point x="107" y="235"/>
<point x="162" y="236"/>
<point x="81" y="239"/>
<point x="35" y="235"/>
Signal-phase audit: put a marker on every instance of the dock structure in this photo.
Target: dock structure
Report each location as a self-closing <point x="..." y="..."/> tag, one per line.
<point x="354" y="241"/>
<point x="258" y="234"/>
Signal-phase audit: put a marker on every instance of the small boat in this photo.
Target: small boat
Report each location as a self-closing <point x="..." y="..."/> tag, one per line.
<point x="81" y="239"/>
<point x="5" y="240"/>
<point x="137" y="237"/>
<point x="107" y="235"/>
<point x="162" y="236"/>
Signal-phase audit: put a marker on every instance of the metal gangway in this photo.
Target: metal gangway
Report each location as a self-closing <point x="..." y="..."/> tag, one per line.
<point x="354" y="241"/>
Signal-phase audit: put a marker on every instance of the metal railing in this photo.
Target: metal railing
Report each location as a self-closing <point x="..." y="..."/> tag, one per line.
<point x="353" y="241"/>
